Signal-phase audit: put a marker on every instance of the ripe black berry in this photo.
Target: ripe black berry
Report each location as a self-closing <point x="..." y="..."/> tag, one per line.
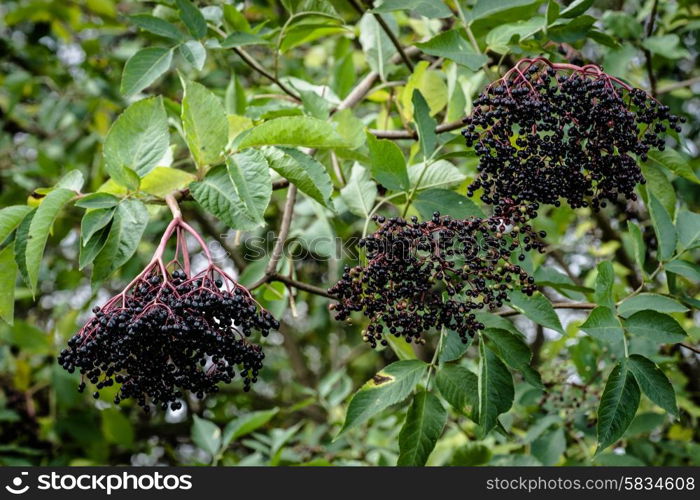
<point x="548" y="131"/>
<point x="171" y="331"/>
<point x="435" y="274"/>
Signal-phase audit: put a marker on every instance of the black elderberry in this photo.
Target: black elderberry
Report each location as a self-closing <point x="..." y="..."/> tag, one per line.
<point x="169" y="332"/>
<point x="547" y="131"/>
<point x="429" y="275"/>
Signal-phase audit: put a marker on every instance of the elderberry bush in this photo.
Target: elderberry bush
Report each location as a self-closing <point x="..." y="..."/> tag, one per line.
<point x="436" y="274"/>
<point x="547" y="131"/>
<point x="170" y="332"/>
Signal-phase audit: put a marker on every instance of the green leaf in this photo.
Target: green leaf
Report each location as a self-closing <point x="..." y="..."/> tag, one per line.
<point x="668" y="46"/>
<point x="205" y="124"/>
<point x="603" y="325"/>
<point x="658" y="185"/>
<point x="576" y="8"/>
<point x="684" y="268"/>
<point x="451" y="45"/>
<point x="653" y="301"/>
<point x="350" y="128"/>
<point x="688" y="227"/>
<point x="514" y="352"/>
<point x="376" y="44"/>
<point x="537" y="308"/>
<point x="663" y="226"/>
<point x="235" y="99"/>
<point x="39" y="229"/>
<point x="617" y="405"/>
<point x="206" y="435"/>
<point x="438" y="174"/>
<point x="425" y="124"/>
<point x="21" y="240"/>
<point x="549" y="446"/>
<point x="216" y="194"/>
<point x="459" y="386"/>
<point x="432" y="86"/>
<point x="360" y="192"/>
<point x="91" y="248"/>
<point x="501" y="37"/>
<point x="552" y="12"/>
<point x="10" y="218"/>
<point x="303" y="131"/>
<point x="424" y="423"/>
<point x="487" y="8"/>
<point x="157" y="26"/>
<point x="452" y="346"/>
<point x="576" y="29"/>
<point x="8" y="279"/>
<point x="673" y="161"/>
<point x="93" y="221"/>
<point x="548" y="276"/>
<point x="644" y="423"/>
<point x="656" y="326"/>
<point x="495" y="389"/>
<point x="425" y="8"/>
<point x="192" y="17"/>
<point x="604" y="282"/>
<point x="138" y="140"/>
<point x="301" y="170"/>
<point x="130" y="220"/>
<point x="98" y="200"/>
<point x="73" y="180"/>
<point x="117" y="428"/>
<point x="401" y="348"/>
<point x="241" y="39"/>
<point x="195" y="53"/>
<point x="388" y="387"/>
<point x="29" y="339"/>
<point x="250" y="175"/>
<point x="164" y="180"/>
<point x="144" y="68"/>
<point x="245" y="425"/>
<point x="234" y="19"/>
<point x="653" y="383"/>
<point x="638" y="246"/>
<point x="447" y="203"/>
<point x="388" y="164"/>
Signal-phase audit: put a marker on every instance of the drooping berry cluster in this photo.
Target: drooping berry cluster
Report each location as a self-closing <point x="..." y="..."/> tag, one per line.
<point x="428" y="275"/>
<point x="169" y="332"/>
<point x="549" y="131"/>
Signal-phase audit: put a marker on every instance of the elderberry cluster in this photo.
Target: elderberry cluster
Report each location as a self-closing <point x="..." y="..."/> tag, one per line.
<point x="429" y="275"/>
<point x="551" y="131"/>
<point x="169" y="334"/>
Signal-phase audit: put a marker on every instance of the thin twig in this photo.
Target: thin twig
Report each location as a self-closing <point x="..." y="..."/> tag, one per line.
<point x="280" y="184"/>
<point x="412" y="134"/>
<point x="678" y="85"/>
<point x="555" y="305"/>
<point x="649" y="30"/>
<point x="254" y="65"/>
<point x="299" y="285"/>
<point x="387" y="30"/>
<point x="278" y="249"/>
<point x="690" y="347"/>
<point x="361" y="89"/>
<point x="394" y="40"/>
<point x="170" y="200"/>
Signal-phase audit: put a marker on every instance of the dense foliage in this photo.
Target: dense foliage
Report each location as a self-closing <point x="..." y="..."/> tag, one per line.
<point x="499" y="196"/>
